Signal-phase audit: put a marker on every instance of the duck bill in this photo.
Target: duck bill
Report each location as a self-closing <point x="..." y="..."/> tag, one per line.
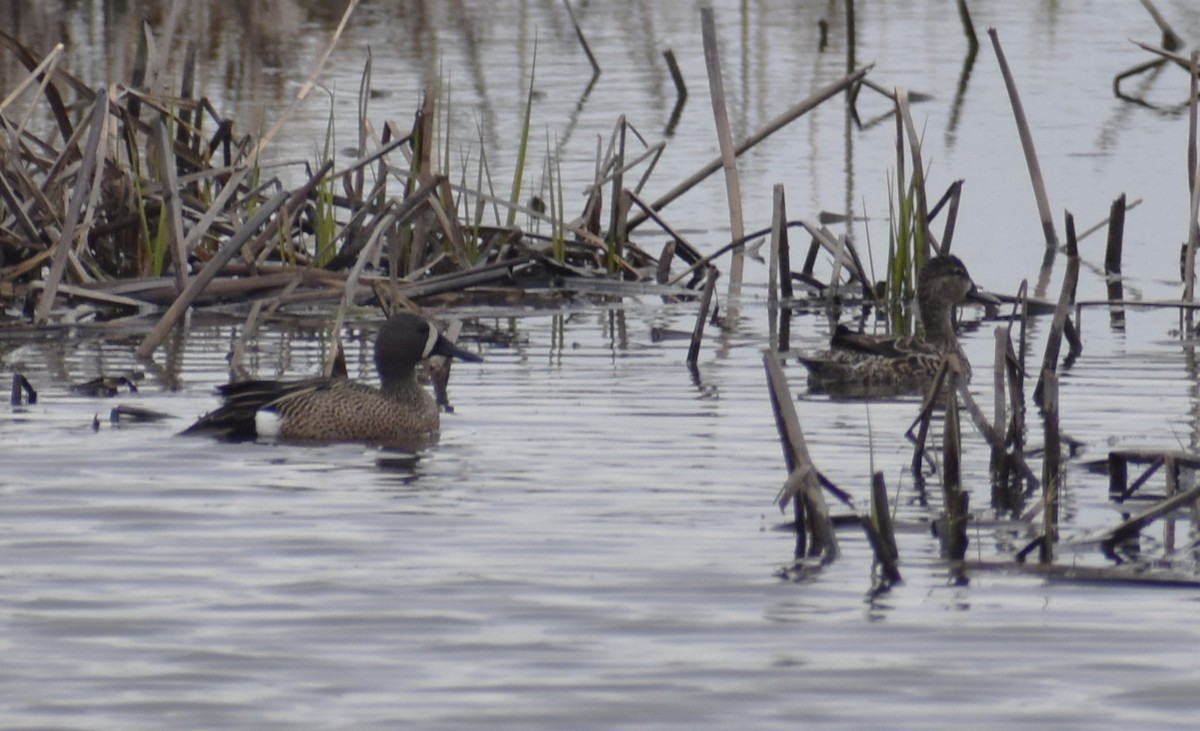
<point x="983" y="297"/>
<point x="450" y="350"/>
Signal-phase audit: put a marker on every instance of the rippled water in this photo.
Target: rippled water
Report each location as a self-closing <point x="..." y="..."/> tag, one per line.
<point x="592" y="543"/>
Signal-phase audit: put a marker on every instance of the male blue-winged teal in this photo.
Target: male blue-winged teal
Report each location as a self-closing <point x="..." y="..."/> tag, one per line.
<point x="338" y="409"/>
<point x="868" y="365"/>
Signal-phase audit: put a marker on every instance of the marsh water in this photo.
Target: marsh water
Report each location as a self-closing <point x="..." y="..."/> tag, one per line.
<point x="592" y="543"/>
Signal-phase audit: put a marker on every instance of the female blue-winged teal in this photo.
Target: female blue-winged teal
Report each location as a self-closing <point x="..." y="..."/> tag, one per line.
<point x="869" y="365"/>
<point x="338" y="409"/>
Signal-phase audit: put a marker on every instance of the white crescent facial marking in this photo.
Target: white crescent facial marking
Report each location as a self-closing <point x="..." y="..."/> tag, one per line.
<point x="267" y="423"/>
<point x="430" y="342"/>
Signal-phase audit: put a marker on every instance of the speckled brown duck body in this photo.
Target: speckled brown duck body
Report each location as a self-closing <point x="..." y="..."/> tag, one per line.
<point x="339" y="409"/>
<point x="881" y="366"/>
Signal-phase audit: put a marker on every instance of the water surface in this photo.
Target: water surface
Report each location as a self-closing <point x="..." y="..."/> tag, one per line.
<point x="592" y="543"/>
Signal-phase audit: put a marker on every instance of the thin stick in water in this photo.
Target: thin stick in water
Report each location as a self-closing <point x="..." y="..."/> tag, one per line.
<point x="1052" y="457"/>
<point x="1035" y="170"/>
<point x="733" y="191"/>
<point x="702" y="316"/>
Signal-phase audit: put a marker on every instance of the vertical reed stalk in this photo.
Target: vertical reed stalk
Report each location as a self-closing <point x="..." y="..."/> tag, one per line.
<point x="712" y="61"/>
<point x="999" y="402"/>
<point x="79" y="195"/>
<point x="1031" y="160"/>
<point x="956" y="501"/>
<point x="1050" y="465"/>
<point x="882" y="532"/>
<point x="1189" y="262"/>
<point x="618" y="221"/>
<point x="803" y="483"/>
<point x="701" y="317"/>
<point x="779" y="275"/>
<point x="1065" y="299"/>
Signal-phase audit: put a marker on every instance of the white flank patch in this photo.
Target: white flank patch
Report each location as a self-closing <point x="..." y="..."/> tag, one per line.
<point x="267" y="423"/>
<point x="430" y="342"/>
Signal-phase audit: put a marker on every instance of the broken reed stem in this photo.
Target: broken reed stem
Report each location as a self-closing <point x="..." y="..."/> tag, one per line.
<point x="684" y="249"/>
<point x="83" y="182"/>
<point x="843" y="252"/>
<point x="993" y="436"/>
<point x="1171" y="40"/>
<point x="1051" y="465"/>
<point x="779" y="274"/>
<point x="733" y="190"/>
<point x="171" y="199"/>
<point x="925" y="417"/>
<point x="702" y="316"/>
<point x="955" y="194"/>
<point x="771" y="127"/>
<point x="1135" y="523"/>
<point x="881" y="531"/>
<point x="803" y="483"/>
<point x="1066" y="299"/>
<point x="1031" y="161"/>
<point x="956" y="501"/>
<point x="1189" y="262"/>
<point x="1116" y="236"/>
<point x="999" y="393"/>
<point x="618" y="220"/>
<point x="1194" y="73"/>
<point x="21" y="385"/>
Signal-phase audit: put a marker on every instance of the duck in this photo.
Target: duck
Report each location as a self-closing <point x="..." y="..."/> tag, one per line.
<point x="338" y="409"/>
<point x="858" y="364"/>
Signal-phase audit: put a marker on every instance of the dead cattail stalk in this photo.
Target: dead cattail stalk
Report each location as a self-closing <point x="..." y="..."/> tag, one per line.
<point x="955" y="193"/>
<point x="1035" y="170"/>
<point x="21" y="385"/>
<point x="618" y="223"/>
<point x="1171" y="40"/>
<point x="1135" y="523"/>
<point x="843" y="252"/>
<point x="702" y="316"/>
<point x="684" y="249"/>
<point x="779" y="273"/>
<point x="83" y="183"/>
<point x="733" y="191"/>
<point x="881" y="532"/>
<point x="1066" y="299"/>
<point x="956" y="501"/>
<point x="1189" y="262"/>
<point x="803" y="483"/>
<point x="168" y="177"/>
<point x="1051" y="464"/>
<point x="1112" y="260"/>
<point x="999" y="393"/>
<point x="925" y="417"/>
